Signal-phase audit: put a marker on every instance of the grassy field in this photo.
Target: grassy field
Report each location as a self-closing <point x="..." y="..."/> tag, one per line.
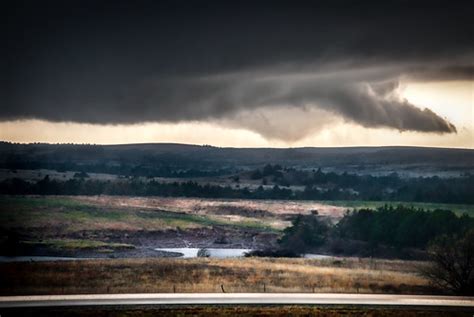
<point x="137" y="213"/>
<point x="211" y="275"/>
<point x="69" y="214"/>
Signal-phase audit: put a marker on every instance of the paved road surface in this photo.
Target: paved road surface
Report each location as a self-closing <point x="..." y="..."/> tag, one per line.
<point x="235" y="298"/>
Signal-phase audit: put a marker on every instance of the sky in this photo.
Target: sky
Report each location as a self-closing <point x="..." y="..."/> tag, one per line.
<point x="241" y="74"/>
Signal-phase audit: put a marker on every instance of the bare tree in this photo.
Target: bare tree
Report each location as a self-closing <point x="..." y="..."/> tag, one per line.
<point x="452" y="266"/>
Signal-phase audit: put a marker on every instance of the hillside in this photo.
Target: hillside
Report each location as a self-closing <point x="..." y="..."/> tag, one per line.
<point x="100" y="158"/>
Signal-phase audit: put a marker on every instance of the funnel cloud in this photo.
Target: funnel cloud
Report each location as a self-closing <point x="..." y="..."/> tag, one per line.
<point x="279" y="68"/>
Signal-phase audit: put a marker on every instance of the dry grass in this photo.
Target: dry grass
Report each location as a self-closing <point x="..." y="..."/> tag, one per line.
<point x="207" y="275"/>
<point x="197" y="204"/>
<point x="272" y="213"/>
<point x="257" y="209"/>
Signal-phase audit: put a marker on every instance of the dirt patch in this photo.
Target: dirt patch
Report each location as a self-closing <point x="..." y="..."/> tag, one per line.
<point x="193" y="238"/>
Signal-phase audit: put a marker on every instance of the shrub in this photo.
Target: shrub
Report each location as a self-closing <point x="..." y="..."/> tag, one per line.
<point x="452" y="265"/>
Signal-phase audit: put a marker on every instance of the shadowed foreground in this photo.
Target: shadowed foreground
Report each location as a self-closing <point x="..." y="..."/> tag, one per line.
<point x="241" y="310"/>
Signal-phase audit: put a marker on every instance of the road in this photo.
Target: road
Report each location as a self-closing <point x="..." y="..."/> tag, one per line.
<point x="235" y="298"/>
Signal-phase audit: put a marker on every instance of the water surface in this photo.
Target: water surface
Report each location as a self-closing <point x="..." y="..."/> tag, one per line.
<point x="213" y="252"/>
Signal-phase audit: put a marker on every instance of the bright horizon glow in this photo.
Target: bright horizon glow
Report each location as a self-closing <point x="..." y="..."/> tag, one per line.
<point x="452" y="100"/>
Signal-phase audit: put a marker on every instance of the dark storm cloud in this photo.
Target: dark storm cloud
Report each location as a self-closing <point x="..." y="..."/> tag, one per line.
<point x="457" y="72"/>
<point x="129" y="62"/>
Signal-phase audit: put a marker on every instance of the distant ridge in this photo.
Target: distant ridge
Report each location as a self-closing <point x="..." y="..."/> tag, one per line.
<point x="303" y="156"/>
<point x="157" y="144"/>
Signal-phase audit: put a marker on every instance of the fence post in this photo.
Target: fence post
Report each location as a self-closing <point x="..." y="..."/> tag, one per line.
<point x="264" y="288"/>
<point x="357" y="286"/>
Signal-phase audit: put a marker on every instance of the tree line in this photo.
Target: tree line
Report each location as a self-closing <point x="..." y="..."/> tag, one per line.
<point x="458" y="190"/>
<point x="396" y="227"/>
<point x="447" y="240"/>
<point x="331" y="185"/>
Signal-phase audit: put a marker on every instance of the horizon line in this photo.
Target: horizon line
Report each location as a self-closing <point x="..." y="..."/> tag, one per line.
<point x="242" y="147"/>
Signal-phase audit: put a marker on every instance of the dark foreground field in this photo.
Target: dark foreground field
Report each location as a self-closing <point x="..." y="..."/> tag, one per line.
<point x="241" y="310"/>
